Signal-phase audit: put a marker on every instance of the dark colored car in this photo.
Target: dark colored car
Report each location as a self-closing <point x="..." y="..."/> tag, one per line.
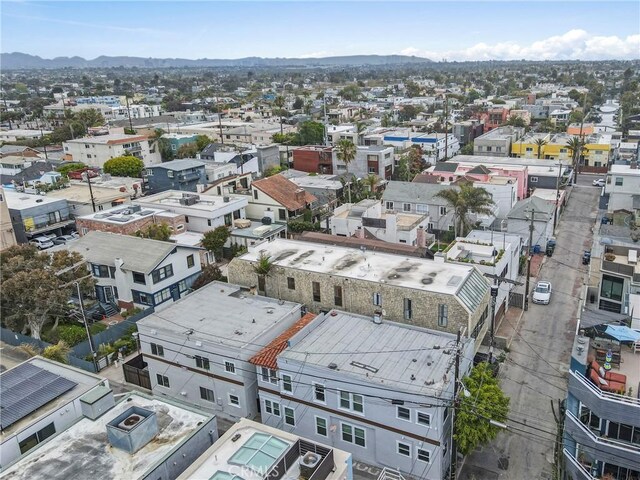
<point x="484" y="358"/>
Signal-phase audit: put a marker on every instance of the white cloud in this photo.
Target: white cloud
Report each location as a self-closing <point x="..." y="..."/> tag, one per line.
<point x="314" y="55"/>
<point x="573" y="45"/>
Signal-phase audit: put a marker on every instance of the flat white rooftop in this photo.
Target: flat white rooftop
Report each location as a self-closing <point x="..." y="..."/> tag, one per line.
<point x="20" y="200"/>
<point x="205" y="203"/>
<point x="390" y="354"/>
<point x="221" y="461"/>
<point x="417" y="273"/>
<point x="83" y="450"/>
<point x="80" y="193"/>
<point x="123" y="215"/>
<point x="111" y="138"/>
<point x="222" y="313"/>
<point x="626" y="169"/>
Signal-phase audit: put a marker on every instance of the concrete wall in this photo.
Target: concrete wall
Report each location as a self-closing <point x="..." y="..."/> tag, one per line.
<point x="357" y="295"/>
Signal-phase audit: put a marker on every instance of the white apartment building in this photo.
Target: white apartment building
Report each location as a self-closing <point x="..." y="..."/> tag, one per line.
<point x="623" y="186"/>
<point x="370" y="160"/>
<point x="95" y="151"/>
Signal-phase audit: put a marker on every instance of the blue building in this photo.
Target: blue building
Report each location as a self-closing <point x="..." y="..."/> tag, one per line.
<point x="183" y="175"/>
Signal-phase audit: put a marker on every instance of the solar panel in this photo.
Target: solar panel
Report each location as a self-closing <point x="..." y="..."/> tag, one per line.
<point x="26" y="388"/>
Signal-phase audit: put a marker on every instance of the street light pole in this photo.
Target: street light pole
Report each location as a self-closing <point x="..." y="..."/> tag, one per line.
<point x="94" y="354"/>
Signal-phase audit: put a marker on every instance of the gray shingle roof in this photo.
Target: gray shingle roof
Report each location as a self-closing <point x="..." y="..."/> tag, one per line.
<point x="522" y="209"/>
<point x="411" y="192"/>
<point x="446" y="167"/>
<point x="138" y="254"/>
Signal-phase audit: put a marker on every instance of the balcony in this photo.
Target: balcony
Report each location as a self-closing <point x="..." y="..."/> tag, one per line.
<point x="575" y="469"/>
<point x="608" y="450"/>
<point x="618" y="266"/>
<point x="188" y="177"/>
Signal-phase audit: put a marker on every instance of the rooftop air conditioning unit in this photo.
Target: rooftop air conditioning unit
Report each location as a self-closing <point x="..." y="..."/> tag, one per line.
<point x="130" y="422"/>
<point x="308" y="464"/>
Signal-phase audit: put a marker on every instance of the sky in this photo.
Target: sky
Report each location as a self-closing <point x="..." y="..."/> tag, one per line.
<point x="439" y="30"/>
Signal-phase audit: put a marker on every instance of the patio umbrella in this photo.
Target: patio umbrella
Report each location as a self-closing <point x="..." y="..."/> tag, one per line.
<point x="622" y="333"/>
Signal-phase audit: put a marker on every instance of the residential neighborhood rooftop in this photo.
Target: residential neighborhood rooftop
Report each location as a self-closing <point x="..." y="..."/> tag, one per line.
<point x="21" y="200"/>
<point x="222" y="313"/>
<point x="83" y="450"/>
<point x="205" y="202"/>
<point x="396" y="356"/>
<point x="112" y="138"/>
<point x="180" y="164"/>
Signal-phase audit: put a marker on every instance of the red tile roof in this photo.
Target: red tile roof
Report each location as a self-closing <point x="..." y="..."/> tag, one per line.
<point x="285" y="192"/>
<point x="268" y="355"/>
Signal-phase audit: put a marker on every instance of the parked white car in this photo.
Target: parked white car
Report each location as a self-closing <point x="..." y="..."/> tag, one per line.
<point x="542" y="293"/>
<point x="42" y="242"/>
<point x="599" y="182"/>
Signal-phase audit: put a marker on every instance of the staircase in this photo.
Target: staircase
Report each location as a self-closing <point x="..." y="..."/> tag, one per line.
<point x="109" y="309"/>
<point x="390" y="474"/>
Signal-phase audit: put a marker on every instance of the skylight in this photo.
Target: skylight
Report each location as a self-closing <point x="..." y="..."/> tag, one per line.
<point x="259" y="453"/>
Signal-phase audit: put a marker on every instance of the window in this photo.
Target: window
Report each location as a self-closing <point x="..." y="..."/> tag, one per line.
<point x="321" y="426"/>
<point x="619" y="181"/>
<point x="430" y="226"/>
<point x="316" y="291"/>
<point x="445" y="414"/>
<point x="408" y="311"/>
<point x="230" y="367"/>
<point x="528" y="149"/>
<point x="289" y="416"/>
<point x="162" y="273"/>
<point x="282" y="214"/>
<point x="489" y="149"/>
<point x="207" y="394"/>
<point x="157" y="349"/>
<point x="319" y="393"/>
<point x="443" y="315"/>
<point x="182" y="285"/>
<point x="163" y="380"/>
<point x="443" y="210"/>
<point x="403" y="413"/>
<point x="84" y="230"/>
<point x="139" y="278"/>
<point x="101" y="271"/>
<point x="612" y="288"/>
<point x="203" y="362"/>
<point x="272" y="408"/>
<point x="35" y="438"/>
<point x="287" y="384"/>
<point x="372" y="169"/>
<point x="291" y="283"/>
<point x="169" y="173"/>
<point x="422" y="208"/>
<point x="389" y="205"/>
<point x="208" y="222"/>
<point x="406" y="207"/>
<point x="142" y="298"/>
<point x="234" y="400"/>
<point x="186" y="219"/>
<point x="352" y="401"/>
<point x="533" y="179"/>
<point x="424" y="419"/>
<point x="404" y="449"/>
<point x="424" y="455"/>
<point x="377" y="299"/>
<point x="353" y="435"/>
<point x="269" y="375"/>
<point x="337" y="296"/>
<point x="162" y="296"/>
<point x="255" y="194"/>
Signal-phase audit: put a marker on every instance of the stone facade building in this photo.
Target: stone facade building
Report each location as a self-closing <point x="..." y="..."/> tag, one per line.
<point x="415" y="291"/>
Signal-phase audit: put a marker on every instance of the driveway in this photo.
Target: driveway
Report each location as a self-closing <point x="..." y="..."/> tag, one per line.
<point x="534" y="374"/>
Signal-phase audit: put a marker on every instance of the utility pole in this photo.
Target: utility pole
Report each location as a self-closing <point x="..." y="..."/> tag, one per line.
<point x="326" y="123"/>
<point x="86" y="326"/>
<point x="526" y="289"/>
<point x="456" y="381"/>
<point x="584" y="114"/>
<point x="497" y="280"/>
<point x="220" y="119"/>
<point x="93" y="202"/>
<point x="555" y="215"/>
<point x="446" y="130"/>
<point x="44" y="145"/>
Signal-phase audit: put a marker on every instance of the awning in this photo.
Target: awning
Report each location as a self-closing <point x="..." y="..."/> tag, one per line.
<point x="622" y="333"/>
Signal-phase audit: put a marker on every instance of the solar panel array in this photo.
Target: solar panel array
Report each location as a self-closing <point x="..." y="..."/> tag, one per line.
<point x="26" y="388"/>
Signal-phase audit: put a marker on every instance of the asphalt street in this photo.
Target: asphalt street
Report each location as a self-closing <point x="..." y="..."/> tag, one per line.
<point x="535" y="372"/>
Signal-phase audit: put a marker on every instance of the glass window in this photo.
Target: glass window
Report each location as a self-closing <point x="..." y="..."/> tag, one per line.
<point x="229" y="367"/>
<point x="353" y="434"/>
<point x="404" y="413"/>
<point x="291" y="283"/>
<point x="316" y="291"/>
<point x="269" y="375"/>
<point x="612" y="288"/>
<point x="321" y="426"/>
<point x="162" y="273"/>
<point x="234" y="400"/>
<point x="190" y="261"/>
<point x="157" y="349"/>
<point x="287" y="384"/>
<point x="389" y="205"/>
<point x="207" y="394"/>
<point x="289" y="416"/>
<point x="408" y="310"/>
<point x="163" y="380"/>
<point x="443" y="315"/>
<point x="352" y="401"/>
<point x="443" y="210"/>
<point x="203" y="362"/>
<point x="424" y="419"/>
<point x="142" y="298"/>
<point x="406" y="207"/>
<point x="377" y="299"/>
<point x="319" y="393"/>
<point x="272" y="408"/>
<point x="404" y="449"/>
<point x="337" y="296"/>
<point x="619" y="181"/>
<point x="424" y="455"/>
<point x="34" y="439"/>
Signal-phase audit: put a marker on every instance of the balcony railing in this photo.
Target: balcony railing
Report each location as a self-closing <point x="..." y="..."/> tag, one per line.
<point x="602" y="441"/>
<point x="616" y="397"/>
<point x="188" y="177"/>
<point x="576" y="468"/>
<point x="615" y="267"/>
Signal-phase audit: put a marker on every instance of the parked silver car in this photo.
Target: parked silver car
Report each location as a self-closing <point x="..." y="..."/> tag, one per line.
<point x="42" y="242"/>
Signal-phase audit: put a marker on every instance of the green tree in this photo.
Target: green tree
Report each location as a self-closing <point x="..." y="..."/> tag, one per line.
<point x="465" y="200"/>
<point x="210" y="273"/>
<point x="36" y="286"/>
<point x="540" y="143"/>
<point x="271" y="171"/>
<point x="58" y="352"/>
<point x="125" y="166"/>
<point x="372" y="181"/>
<point x="351" y="92"/>
<point x="516" y="121"/>
<point x="408" y="113"/>
<point x="485" y="402"/>
<point x="402" y="171"/>
<point x="346" y="153"/>
<point x="263" y="268"/>
<point x="215" y="239"/>
<point x="576" y="145"/>
<point x="65" y="168"/>
<point x="298" y="103"/>
<point x="311" y="133"/>
<point x="416" y="160"/>
<point x="467" y="149"/>
<point x="576" y="116"/>
<point x="413" y="89"/>
<point x="155" y="231"/>
<point x="286" y="139"/>
<point x="279" y="102"/>
<point x="89" y="117"/>
<point x="202" y="141"/>
<point x="188" y="150"/>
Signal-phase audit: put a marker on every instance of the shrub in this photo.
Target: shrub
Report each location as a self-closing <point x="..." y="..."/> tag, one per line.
<point x="71" y="334"/>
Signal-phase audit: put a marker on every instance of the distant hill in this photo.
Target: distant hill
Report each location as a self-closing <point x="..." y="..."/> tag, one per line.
<point x="17" y="60"/>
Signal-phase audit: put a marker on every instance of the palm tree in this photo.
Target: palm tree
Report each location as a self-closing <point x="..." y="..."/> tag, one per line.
<point x="576" y="146"/>
<point x="540" y="142"/>
<point x="279" y="102"/>
<point x="465" y="200"/>
<point x="263" y="268"/>
<point x="371" y="181"/>
<point x="346" y="153"/>
<point x="360" y="127"/>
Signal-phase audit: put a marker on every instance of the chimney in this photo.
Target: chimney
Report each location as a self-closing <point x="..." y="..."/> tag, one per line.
<point x="299" y="194"/>
<point x="633" y="165"/>
<point x="360" y="232"/>
<point x="421" y="238"/>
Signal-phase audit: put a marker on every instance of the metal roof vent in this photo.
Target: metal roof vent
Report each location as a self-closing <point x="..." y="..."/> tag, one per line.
<point x="333" y="366"/>
<point x="133" y="429"/>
